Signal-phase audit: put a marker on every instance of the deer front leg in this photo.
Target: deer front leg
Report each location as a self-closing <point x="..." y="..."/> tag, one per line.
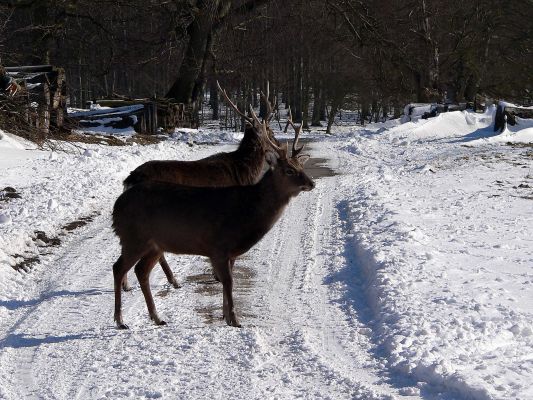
<point x="223" y="269"/>
<point x="168" y="272"/>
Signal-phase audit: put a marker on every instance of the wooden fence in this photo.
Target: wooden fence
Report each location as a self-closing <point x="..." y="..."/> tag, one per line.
<point x="42" y="97"/>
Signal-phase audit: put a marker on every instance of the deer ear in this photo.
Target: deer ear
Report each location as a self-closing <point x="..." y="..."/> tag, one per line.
<point x="303" y="159"/>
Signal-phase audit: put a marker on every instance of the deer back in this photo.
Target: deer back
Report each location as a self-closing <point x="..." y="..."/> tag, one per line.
<point x="243" y="166"/>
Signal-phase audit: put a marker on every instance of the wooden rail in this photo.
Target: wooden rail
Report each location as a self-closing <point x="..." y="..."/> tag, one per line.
<point x="42" y="95"/>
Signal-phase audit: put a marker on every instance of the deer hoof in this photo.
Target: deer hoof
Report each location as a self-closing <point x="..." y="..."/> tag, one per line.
<point x="175" y="284"/>
<point x="232" y="321"/>
<point x="122" y="326"/>
<point x="160" y="323"/>
<point x="127" y="288"/>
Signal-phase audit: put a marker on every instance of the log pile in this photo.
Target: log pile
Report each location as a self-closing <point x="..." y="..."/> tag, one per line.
<point x="42" y="97"/>
<point x="430" y="110"/>
<point x="146" y="116"/>
<point x="506" y="114"/>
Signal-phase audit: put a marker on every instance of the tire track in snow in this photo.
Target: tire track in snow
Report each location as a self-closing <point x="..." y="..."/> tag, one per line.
<point x="305" y="336"/>
<point x="51" y="323"/>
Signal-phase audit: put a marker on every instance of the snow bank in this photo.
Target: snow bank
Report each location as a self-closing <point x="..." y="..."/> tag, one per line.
<point x="522" y="132"/>
<point x="443" y="235"/>
<point x="444" y="125"/>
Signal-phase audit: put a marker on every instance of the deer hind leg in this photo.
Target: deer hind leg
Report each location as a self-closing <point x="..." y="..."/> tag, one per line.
<point x="142" y="270"/>
<point x="120" y="269"/>
<point x="223" y="270"/>
<point x="232" y="263"/>
<point x="168" y="272"/>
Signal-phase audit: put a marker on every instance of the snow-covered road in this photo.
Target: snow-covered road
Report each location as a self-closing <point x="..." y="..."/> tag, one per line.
<point x="300" y="339"/>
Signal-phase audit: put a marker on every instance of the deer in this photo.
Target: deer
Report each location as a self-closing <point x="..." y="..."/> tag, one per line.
<point x="220" y="223"/>
<point x="243" y="166"/>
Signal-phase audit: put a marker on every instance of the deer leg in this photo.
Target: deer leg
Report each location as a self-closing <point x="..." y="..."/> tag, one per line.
<point x="168" y="272"/>
<point x="223" y="269"/>
<point x="142" y="270"/>
<point x="120" y="269"/>
<point x="232" y="262"/>
<point x="125" y="285"/>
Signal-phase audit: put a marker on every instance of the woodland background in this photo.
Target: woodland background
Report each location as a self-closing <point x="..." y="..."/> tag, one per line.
<point x="372" y="56"/>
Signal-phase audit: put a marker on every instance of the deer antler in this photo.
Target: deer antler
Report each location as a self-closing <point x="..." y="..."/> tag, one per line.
<point x="234" y="106"/>
<point x="297" y="130"/>
<point x="264" y="129"/>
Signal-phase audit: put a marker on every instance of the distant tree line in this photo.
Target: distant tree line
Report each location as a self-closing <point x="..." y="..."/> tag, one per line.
<point x="319" y="56"/>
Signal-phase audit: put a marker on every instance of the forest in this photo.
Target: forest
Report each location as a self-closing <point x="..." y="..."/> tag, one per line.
<point x="372" y="56"/>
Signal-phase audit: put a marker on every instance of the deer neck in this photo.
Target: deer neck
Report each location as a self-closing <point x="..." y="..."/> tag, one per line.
<point x="249" y="159"/>
<point x="250" y="145"/>
<point x="271" y="193"/>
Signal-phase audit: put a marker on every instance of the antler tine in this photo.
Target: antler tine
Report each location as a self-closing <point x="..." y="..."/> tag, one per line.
<point x="233" y="105"/>
<point x="271" y="142"/>
<point x="296" y="151"/>
<point x="254" y="116"/>
<point x="264" y="128"/>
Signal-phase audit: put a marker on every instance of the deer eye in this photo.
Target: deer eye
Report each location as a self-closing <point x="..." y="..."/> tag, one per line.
<point x="290" y="171"/>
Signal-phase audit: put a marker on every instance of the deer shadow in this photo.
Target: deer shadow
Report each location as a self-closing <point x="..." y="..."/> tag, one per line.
<point x="21" y="340"/>
<point x="16" y="304"/>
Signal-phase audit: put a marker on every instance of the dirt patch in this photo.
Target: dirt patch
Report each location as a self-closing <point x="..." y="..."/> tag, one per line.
<point x="244" y="280"/>
<point x="26" y="262"/>
<point x="78" y="223"/>
<point x="205" y="284"/>
<point x="317" y="168"/>
<point x="9" y="193"/>
<point x="164" y="292"/>
<point x="42" y="240"/>
<point x="521" y="145"/>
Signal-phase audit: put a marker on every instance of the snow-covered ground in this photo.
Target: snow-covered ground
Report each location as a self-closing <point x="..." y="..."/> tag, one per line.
<point x="408" y="275"/>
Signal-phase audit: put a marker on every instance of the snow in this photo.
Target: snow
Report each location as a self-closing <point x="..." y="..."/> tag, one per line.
<point x="407" y="275"/>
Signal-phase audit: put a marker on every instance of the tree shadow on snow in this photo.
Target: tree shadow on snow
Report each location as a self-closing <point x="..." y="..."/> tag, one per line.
<point x="481" y="133"/>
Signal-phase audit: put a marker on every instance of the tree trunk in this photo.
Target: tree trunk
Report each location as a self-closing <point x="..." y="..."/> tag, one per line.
<point x="213" y="98"/>
<point x="317" y="102"/>
<point x="427" y="79"/>
<point x="185" y="88"/>
<point x="336" y="104"/>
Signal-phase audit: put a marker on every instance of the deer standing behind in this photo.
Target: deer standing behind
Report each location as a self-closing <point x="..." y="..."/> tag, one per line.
<point x="243" y="166"/>
<point x="219" y="223"/>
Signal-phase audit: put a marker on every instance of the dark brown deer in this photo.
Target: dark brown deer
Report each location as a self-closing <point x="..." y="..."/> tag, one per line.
<point x="243" y="166"/>
<point x="219" y="223"/>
